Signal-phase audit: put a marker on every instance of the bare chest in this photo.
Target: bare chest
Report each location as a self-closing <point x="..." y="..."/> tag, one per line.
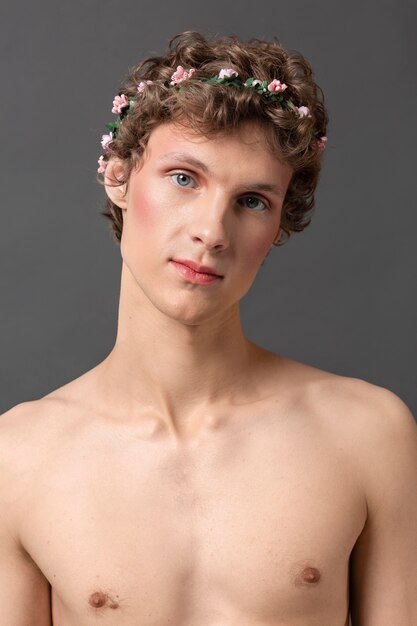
<point x="255" y="528"/>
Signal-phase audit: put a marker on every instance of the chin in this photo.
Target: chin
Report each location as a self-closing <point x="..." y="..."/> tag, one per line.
<point x="190" y="315"/>
<point x="190" y="309"/>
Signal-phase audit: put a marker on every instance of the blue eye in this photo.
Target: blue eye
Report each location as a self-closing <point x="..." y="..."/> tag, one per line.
<point x="183" y="176"/>
<point x="264" y="206"/>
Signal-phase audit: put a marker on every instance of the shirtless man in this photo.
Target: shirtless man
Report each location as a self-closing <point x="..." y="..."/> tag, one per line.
<point x="193" y="478"/>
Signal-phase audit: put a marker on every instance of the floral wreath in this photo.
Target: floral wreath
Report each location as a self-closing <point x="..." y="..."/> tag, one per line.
<point x="273" y="91"/>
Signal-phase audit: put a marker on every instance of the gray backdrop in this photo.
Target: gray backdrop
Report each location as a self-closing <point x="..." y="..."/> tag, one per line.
<point x="340" y="296"/>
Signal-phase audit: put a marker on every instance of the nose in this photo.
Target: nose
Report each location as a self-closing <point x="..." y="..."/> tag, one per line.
<point x="210" y="223"/>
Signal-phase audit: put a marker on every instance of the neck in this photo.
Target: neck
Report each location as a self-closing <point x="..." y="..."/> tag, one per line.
<point x="176" y="372"/>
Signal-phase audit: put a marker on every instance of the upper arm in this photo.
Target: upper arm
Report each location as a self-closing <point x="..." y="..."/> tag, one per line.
<point x="383" y="565"/>
<point x="24" y="591"/>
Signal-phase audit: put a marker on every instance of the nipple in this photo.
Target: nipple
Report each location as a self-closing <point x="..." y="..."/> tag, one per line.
<point x="307" y="576"/>
<point x="99" y="599"/>
<point x="310" y="575"/>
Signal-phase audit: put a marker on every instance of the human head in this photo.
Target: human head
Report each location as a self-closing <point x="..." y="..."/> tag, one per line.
<point x="212" y="201"/>
<point x="218" y="109"/>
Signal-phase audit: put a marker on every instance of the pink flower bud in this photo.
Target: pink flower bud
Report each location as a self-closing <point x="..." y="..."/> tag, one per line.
<point x="143" y="84"/>
<point x="227" y="72"/>
<point x="304" y="112"/>
<point x="105" y="140"/>
<point x="277" y="86"/>
<point x="181" y="74"/>
<point x="102" y="165"/>
<point x="119" y="103"/>
<point x="321" y="142"/>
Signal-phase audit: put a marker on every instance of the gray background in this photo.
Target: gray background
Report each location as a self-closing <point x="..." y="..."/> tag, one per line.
<point x="340" y="296"/>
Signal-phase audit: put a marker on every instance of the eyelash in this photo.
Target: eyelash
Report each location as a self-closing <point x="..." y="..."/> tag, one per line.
<point x="266" y="206"/>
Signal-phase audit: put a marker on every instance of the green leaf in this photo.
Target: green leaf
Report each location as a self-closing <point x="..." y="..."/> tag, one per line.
<point x="112" y="126"/>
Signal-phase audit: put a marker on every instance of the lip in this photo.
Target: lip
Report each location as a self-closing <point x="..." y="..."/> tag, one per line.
<point x="201" y="269"/>
<point x="190" y="275"/>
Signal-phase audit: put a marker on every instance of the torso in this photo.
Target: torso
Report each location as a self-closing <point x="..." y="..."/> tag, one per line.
<point x="252" y="524"/>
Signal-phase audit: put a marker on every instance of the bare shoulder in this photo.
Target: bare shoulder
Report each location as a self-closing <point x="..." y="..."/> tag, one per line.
<point x="375" y="433"/>
<point x="370" y="424"/>
<point x="22" y="447"/>
<point x="383" y="440"/>
<point x="29" y="433"/>
<point x="25" y="432"/>
<point x="29" y="429"/>
<point x="358" y="403"/>
<point x="373" y="413"/>
<point x="19" y="458"/>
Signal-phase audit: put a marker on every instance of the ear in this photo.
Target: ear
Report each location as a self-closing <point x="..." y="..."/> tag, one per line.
<point x="115" y="191"/>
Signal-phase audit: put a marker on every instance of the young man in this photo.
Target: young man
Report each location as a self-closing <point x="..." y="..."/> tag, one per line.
<point x="192" y="477"/>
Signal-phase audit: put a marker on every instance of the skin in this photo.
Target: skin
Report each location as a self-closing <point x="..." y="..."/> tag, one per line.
<point x="193" y="478"/>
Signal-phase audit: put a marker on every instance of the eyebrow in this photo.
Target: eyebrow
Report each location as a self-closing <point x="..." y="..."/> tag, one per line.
<point x="184" y="157"/>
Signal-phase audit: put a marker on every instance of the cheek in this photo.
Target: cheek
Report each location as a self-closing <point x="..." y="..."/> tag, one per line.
<point x="140" y="228"/>
<point x="256" y="251"/>
<point x="141" y="214"/>
<point x="151" y="208"/>
<point x="147" y="227"/>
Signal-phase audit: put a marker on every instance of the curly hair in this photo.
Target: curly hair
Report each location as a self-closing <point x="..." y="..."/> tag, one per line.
<point x="219" y="109"/>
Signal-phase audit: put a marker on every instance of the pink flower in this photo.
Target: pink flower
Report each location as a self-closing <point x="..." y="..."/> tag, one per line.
<point x="143" y="83"/>
<point x="102" y="165"/>
<point x="119" y="103"/>
<point x="304" y="112"/>
<point x="181" y="74"/>
<point x="105" y="140"/>
<point x="277" y="86"/>
<point x="321" y="142"/>
<point x="227" y="72"/>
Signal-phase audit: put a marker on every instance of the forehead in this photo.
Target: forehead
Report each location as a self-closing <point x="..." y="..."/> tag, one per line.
<point x="243" y="149"/>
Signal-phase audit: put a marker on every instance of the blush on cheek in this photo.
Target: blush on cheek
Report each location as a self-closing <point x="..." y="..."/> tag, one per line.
<point x="143" y="215"/>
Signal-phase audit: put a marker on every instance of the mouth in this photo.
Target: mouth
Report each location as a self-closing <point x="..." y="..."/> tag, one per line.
<point x="200" y="269"/>
<point x="193" y="272"/>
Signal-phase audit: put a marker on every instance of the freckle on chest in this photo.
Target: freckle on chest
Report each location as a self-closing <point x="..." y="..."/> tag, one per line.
<point x="99" y="599"/>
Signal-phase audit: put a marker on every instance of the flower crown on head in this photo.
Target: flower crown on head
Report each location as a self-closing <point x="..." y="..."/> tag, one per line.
<point x="273" y="91"/>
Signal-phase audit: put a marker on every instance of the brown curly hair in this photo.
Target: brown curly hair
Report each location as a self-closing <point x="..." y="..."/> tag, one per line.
<point x="212" y="109"/>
